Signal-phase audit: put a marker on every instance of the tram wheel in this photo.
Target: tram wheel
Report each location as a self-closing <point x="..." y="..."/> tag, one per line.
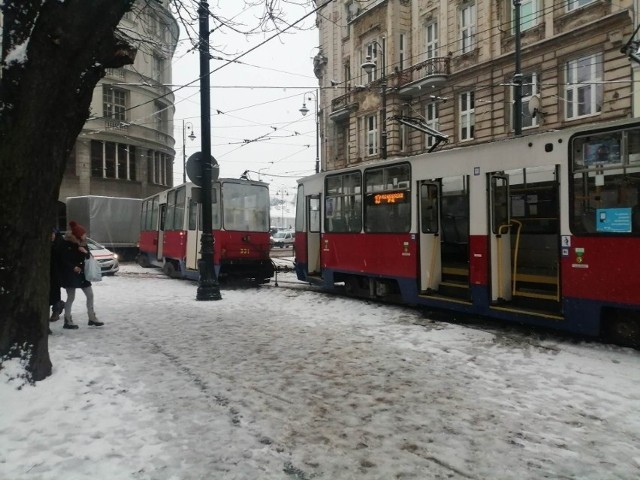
<point x="169" y="270"/>
<point x="351" y="286"/>
<point x="623" y="328"/>
<point x="143" y="261"/>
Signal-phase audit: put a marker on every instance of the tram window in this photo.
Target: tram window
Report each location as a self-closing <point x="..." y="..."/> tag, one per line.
<point x="178" y="219"/>
<point x="606" y="183"/>
<point x="193" y="214"/>
<point x="300" y="225"/>
<point x="429" y="208"/>
<point x="171" y="211"/>
<point x="154" y="214"/>
<point x="314" y="214"/>
<point x="388" y="193"/>
<point x="343" y="203"/>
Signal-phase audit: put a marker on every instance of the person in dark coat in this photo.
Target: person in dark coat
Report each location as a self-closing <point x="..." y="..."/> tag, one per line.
<point x="71" y="254"/>
<point x="55" y="299"/>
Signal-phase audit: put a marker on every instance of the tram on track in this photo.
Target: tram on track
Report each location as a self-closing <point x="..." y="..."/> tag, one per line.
<point x="171" y="227"/>
<point x="541" y="229"/>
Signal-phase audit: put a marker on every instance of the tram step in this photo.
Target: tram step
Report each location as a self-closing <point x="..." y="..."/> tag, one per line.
<point x="534" y="294"/>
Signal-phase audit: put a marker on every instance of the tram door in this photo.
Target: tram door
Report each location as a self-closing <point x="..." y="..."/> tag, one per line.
<point x="525" y="238"/>
<point x="430" y="253"/>
<point x="444" y="237"/>
<point x="313" y="234"/>
<point x="500" y="238"/>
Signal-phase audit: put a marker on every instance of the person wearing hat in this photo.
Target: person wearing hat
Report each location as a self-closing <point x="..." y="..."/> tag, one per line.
<point x="71" y="256"/>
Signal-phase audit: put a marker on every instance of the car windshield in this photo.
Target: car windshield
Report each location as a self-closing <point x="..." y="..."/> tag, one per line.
<point x="280" y="235"/>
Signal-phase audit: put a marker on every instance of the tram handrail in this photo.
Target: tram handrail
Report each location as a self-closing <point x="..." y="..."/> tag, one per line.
<point x="515" y="255"/>
<point x="502" y="230"/>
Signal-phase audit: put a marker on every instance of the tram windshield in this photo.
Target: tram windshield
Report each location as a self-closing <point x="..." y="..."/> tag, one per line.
<point x="606" y="183"/>
<point x="245" y="207"/>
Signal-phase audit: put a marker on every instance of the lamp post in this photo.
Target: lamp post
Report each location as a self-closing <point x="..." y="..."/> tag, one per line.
<point x="369" y="66"/>
<point x="304" y="110"/>
<point x="208" y="287"/>
<point x="192" y="137"/>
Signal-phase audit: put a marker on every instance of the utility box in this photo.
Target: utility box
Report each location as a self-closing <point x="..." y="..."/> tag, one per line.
<point x="112" y="221"/>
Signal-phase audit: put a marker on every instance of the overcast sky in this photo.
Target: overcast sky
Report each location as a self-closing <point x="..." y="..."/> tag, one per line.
<point x="263" y="92"/>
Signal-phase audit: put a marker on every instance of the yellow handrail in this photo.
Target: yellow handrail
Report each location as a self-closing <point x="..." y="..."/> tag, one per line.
<point x="502" y="229"/>
<point x="515" y="256"/>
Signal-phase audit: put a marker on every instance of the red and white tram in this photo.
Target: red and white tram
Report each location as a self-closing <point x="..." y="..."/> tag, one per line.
<point x="541" y="229"/>
<point x="171" y="223"/>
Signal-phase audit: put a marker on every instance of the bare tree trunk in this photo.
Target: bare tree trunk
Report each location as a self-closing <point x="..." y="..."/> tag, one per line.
<point x="44" y="102"/>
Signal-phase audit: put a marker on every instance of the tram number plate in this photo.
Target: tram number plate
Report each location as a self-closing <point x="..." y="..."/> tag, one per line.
<point x="244" y="251"/>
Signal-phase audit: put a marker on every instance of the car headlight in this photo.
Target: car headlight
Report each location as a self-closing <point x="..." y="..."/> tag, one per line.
<point x="115" y="256"/>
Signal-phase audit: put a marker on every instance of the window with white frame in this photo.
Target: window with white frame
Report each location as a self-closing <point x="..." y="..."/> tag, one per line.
<point x="370" y="131"/>
<point x="371" y="53"/>
<point x="113" y="160"/>
<point x="575" y="4"/>
<point x="402" y="51"/>
<point x="431" y="40"/>
<point x="467" y="115"/>
<point x="529" y="12"/>
<point x="583" y="95"/>
<point x="529" y="89"/>
<point x="432" y="120"/>
<point x="467" y="27"/>
<point x="114" y="103"/>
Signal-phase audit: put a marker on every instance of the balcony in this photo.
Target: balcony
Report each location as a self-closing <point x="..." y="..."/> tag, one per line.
<point x="342" y="106"/>
<point x="432" y="72"/>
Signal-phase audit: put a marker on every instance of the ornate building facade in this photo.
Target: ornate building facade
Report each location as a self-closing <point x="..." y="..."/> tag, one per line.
<point x="126" y="148"/>
<point x="442" y="72"/>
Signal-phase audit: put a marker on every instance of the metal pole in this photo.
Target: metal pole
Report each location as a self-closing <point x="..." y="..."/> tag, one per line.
<point x="208" y="288"/>
<point x="317" y="134"/>
<point x="517" y="77"/>
<point x="184" y="156"/>
<point x="383" y="86"/>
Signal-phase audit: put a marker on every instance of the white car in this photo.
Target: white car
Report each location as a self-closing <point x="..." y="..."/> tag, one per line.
<point x="282" y="239"/>
<point x="107" y="260"/>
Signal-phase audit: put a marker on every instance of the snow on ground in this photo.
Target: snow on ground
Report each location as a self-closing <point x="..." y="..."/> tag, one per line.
<point x="284" y="383"/>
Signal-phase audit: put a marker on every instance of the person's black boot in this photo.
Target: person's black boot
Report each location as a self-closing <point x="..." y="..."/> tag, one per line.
<point x="68" y="323"/>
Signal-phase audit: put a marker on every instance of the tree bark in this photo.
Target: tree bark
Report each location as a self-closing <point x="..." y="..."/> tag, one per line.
<point x="44" y="102"/>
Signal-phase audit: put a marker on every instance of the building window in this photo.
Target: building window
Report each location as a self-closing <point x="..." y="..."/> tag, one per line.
<point x="402" y="51"/>
<point x="160" y="116"/>
<point x="114" y="103"/>
<point x="159" y="168"/>
<point x="584" y="88"/>
<point x="528" y="15"/>
<point x="113" y="160"/>
<point x="432" y="120"/>
<point x="467" y="116"/>
<point x="575" y="4"/>
<point x="158" y="68"/>
<point x="467" y="27"/>
<point x="431" y="40"/>
<point x="370" y="53"/>
<point x="370" y="135"/>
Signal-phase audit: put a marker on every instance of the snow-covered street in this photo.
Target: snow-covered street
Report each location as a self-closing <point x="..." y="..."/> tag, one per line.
<point x="286" y="383"/>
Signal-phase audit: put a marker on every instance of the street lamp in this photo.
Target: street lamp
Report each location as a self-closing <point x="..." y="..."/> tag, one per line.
<point x="192" y="137"/>
<point x="304" y="110"/>
<point x="369" y="66"/>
